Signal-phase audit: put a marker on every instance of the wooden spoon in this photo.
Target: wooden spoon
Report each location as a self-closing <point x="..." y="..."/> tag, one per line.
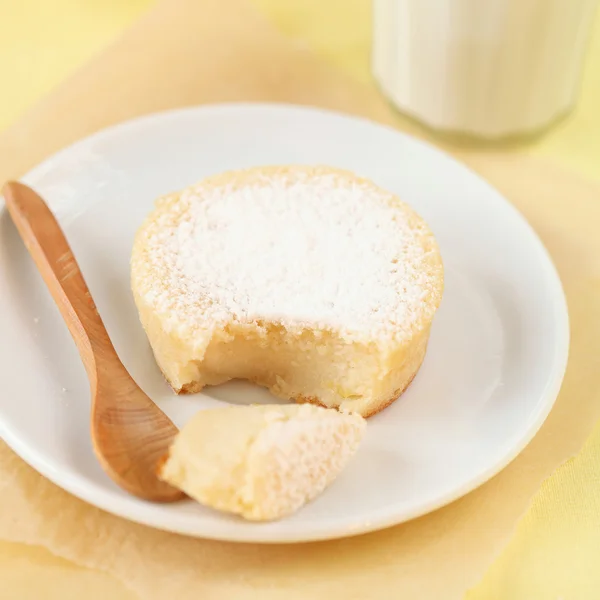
<point x="130" y="434"/>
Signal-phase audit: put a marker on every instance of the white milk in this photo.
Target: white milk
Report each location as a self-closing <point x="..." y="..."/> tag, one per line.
<point x="490" y="68"/>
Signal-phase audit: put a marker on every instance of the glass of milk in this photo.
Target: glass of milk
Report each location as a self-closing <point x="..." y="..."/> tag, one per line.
<point x="488" y="68"/>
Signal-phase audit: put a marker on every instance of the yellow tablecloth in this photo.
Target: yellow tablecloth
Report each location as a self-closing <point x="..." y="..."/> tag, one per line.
<point x="556" y="549"/>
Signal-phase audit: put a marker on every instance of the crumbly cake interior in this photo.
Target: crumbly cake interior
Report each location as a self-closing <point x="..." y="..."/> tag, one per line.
<point x="311" y="281"/>
<point x="261" y="462"/>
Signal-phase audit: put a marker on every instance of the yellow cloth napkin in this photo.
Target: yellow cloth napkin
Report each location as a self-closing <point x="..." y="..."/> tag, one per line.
<point x="213" y="50"/>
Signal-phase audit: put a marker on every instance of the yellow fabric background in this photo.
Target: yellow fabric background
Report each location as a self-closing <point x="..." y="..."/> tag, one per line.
<point x="556" y="549"/>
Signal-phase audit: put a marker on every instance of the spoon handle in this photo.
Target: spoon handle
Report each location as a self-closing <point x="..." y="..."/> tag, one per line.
<point x="54" y="259"/>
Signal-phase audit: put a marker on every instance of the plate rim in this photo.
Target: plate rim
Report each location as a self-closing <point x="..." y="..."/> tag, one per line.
<point x="130" y="508"/>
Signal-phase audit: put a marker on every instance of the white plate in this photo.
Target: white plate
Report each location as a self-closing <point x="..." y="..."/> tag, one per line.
<point x="496" y="358"/>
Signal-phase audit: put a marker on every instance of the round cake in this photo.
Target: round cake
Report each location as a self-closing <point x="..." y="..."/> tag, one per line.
<point x="310" y="281"/>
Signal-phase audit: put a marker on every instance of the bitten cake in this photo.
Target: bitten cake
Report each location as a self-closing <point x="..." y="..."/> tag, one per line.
<point x="310" y="281"/>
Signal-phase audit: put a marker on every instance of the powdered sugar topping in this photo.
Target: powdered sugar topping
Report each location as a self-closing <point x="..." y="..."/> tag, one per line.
<point x="294" y="459"/>
<point x="300" y="247"/>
